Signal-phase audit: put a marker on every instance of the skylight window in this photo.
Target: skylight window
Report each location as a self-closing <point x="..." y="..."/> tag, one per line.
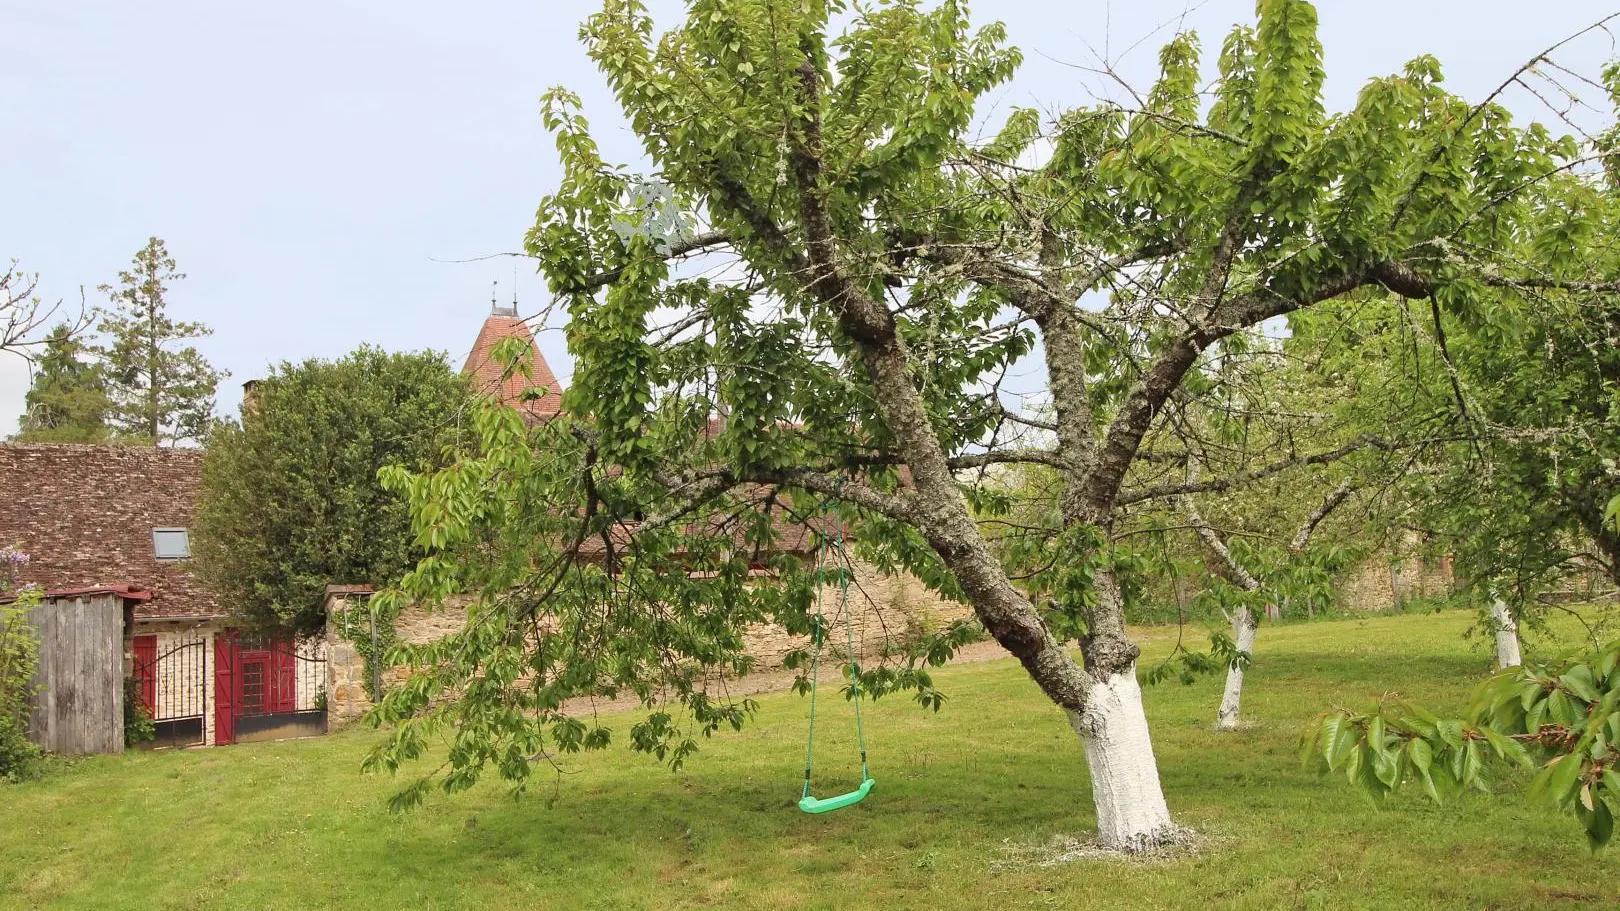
<point x="171" y="543"/>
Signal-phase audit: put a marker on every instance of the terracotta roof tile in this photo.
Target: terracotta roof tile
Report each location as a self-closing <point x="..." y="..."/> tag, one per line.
<point x="486" y="371"/>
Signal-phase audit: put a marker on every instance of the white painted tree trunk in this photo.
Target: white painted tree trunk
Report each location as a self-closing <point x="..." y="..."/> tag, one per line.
<point x="1507" y="635"/>
<point x="1131" y="812"/>
<point x="1243" y="630"/>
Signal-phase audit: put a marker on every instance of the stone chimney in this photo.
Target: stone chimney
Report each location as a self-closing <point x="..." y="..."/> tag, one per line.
<point x="250" y="397"/>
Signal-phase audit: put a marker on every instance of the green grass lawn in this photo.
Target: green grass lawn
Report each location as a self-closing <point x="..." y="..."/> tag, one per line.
<point x="966" y="804"/>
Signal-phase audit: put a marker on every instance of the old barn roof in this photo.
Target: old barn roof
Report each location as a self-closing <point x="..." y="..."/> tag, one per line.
<point x="84" y="515"/>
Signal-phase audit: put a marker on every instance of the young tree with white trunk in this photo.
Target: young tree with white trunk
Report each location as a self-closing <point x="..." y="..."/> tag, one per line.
<point x="1506" y="630"/>
<point x="876" y="275"/>
<point x="1269" y="588"/>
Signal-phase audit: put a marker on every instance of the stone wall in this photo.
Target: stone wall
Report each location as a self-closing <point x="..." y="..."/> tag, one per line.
<point x="1384" y="581"/>
<point x="886" y="610"/>
<point x="346" y="667"/>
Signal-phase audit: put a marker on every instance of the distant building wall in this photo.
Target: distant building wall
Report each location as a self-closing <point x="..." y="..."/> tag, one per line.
<point x="886" y="611"/>
<point x="1384" y="581"/>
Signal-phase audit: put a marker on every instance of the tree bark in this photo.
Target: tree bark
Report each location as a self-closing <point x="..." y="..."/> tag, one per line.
<point x="1507" y="635"/>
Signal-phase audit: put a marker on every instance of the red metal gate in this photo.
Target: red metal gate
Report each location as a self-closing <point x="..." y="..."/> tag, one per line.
<point x="266" y="688"/>
<point x="172" y="687"/>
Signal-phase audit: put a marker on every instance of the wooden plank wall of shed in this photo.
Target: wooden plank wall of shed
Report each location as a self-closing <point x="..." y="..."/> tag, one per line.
<point x="79" y="703"/>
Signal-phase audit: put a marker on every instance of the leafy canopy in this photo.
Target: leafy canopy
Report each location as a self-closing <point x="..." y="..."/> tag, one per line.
<point x="889" y="273"/>
<point x="290" y="497"/>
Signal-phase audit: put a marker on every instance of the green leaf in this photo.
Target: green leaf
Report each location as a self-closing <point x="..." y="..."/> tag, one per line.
<point x="1557" y="780"/>
<point x="1507" y="748"/>
<point x="1578" y="680"/>
<point x="1421" y="754"/>
<point x="1598" y="821"/>
<point x="1451" y="732"/>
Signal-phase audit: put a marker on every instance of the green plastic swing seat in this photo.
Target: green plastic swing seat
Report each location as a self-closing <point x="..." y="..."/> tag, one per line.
<point x="826" y="805"/>
<point x="808" y="803"/>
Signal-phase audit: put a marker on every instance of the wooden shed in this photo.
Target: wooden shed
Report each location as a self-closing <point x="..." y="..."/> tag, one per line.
<point x="78" y="704"/>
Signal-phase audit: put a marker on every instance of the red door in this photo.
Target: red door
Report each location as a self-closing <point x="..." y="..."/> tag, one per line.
<point x="146" y="671"/>
<point x="225" y="700"/>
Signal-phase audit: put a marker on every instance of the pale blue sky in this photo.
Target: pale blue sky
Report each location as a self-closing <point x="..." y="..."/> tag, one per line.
<point x="313" y="165"/>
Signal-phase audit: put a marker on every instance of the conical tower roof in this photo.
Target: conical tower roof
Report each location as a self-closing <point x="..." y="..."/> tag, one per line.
<point x="485" y="371"/>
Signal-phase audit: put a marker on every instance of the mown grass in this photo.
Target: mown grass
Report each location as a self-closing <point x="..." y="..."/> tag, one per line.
<point x="966" y="801"/>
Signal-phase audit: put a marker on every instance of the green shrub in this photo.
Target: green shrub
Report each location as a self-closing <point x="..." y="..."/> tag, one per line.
<point x="19" y="654"/>
<point x="138" y="726"/>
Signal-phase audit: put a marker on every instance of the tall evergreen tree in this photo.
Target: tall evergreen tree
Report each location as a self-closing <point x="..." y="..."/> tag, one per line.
<point x="67" y="402"/>
<point x="158" y="390"/>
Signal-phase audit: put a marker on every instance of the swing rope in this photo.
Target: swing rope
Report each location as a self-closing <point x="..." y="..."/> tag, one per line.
<point x="818" y="636"/>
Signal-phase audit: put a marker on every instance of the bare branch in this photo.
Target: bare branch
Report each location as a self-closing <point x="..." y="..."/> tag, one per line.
<point x="1215" y="485"/>
<point x="1303" y="536"/>
<point x="1213" y="541"/>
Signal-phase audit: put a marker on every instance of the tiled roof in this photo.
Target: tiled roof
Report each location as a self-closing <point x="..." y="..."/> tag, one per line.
<point x="84" y="515"/>
<point x="486" y="371"/>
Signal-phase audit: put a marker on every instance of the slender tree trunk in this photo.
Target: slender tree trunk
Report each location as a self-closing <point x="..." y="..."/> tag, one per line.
<point x="1244" y="627"/>
<point x="152" y="371"/>
<point x="1507" y="635"/>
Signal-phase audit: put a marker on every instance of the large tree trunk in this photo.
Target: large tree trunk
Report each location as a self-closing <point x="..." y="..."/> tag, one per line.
<point x="1507" y="635"/>
<point x="1244" y="626"/>
<point x="1131" y="812"/>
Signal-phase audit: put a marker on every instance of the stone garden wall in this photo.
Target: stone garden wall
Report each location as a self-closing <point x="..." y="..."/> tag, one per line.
<point x="887" y="610"/>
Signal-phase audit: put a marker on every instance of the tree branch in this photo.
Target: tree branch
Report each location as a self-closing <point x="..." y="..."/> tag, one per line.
<point x="1303" y="536"/>
<point x="1162" y="378"/>
<point x="695" y="244"/>
<point x="1213" y="541"/>
<point x="941" y="515"/>
<point x="1216" y="485"/>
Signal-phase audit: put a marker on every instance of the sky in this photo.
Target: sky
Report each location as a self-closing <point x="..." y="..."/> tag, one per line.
<point x="319" y="168"/>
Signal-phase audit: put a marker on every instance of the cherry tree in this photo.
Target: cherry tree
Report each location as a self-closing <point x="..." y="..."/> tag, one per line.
<point x="815" y="313"/>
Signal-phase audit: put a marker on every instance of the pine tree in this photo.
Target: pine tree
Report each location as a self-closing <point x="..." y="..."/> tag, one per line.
<point x="67" y="402"/>
<point x="158" y="392"/>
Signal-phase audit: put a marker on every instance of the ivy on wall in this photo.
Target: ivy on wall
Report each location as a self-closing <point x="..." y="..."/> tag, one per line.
<point x="367" y="623"/>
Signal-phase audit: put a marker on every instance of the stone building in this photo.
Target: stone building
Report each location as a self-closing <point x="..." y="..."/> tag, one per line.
<point x="116" y="519"/>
